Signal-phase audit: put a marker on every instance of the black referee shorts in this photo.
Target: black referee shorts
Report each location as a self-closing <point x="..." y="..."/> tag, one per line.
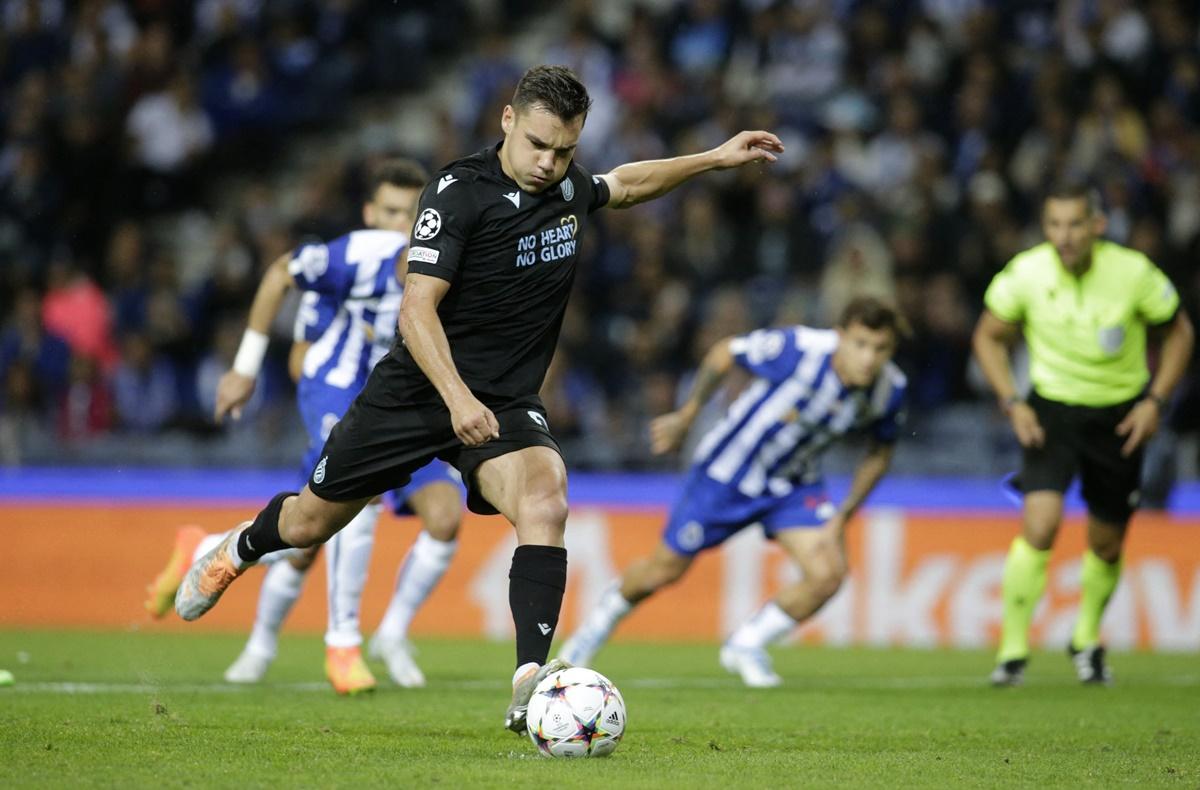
<point x="1083" y="440"/>
<point x="375" y="449"/>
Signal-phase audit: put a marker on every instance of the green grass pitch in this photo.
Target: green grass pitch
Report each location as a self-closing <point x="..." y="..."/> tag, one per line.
<point x="139" y="710"/>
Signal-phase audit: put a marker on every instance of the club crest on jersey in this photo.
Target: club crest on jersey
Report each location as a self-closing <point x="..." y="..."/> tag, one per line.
<point x="568" y="189"/>
<point x="428" y="224"/>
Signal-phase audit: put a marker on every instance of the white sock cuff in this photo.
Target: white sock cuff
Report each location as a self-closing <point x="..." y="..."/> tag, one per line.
<point x="521" y="670"/>
<point x="614" y="601"/>
<point x="429" y="548"/>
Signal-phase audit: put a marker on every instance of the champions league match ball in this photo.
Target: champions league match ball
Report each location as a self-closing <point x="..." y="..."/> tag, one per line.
<point x="576" y="712"/>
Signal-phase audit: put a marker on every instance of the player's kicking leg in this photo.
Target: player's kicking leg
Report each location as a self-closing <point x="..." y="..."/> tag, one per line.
<point x="641" y="580"/>
<point x="439" y="507"/>
<point x="288" y="521"/>
<point x="529" y="488"/>
<point x="821" y="555"/>
<point x="347" y="556"/>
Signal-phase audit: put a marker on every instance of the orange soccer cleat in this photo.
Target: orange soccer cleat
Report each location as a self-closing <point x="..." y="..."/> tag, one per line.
<point x="209" y="577"/>
<point x="160" y="593"/>
<point x="346" y="670"/>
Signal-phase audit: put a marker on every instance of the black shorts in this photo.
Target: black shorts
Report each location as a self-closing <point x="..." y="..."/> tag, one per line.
<point x="1083" y="440"/>
<point x="375" y="449"/>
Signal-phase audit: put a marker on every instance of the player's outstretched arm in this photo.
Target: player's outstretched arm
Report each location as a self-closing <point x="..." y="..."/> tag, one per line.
<point x="425" y="338"/>
<point x="638" y="182"/>
<point x="237" y="385"/>
<point x="990" y="342"/>
<point x="668" y="431"/>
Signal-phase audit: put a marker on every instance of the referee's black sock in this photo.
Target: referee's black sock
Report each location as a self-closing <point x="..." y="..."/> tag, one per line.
<point x="536" y="583"/>
<point x="262" y="537"/>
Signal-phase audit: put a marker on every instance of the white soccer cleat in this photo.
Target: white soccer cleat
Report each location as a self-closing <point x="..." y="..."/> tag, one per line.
<point x="398" y="654"/>
<point x="581" y="648"/>
<point x="523" y="686"/>
<point x="752" y="664"/>
<point x="249" y="667"/>
<point x="209" y="577"/>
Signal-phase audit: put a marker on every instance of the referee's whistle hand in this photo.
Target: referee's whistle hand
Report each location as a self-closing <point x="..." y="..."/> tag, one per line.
<point x="1026" y="426"/>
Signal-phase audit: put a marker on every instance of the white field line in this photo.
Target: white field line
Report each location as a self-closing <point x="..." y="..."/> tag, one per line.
<point x="797" y="684"/>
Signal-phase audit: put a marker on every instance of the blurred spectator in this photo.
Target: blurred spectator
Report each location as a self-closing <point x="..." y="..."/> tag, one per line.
<point x="43" y="357"/>
<point x="78" y="311"/>
<point x="144" y="389"/>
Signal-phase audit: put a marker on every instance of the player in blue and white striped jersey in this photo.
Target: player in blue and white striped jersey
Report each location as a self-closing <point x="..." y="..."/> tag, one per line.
<point x="760" y="464"/>
<point x="347" y="321"/>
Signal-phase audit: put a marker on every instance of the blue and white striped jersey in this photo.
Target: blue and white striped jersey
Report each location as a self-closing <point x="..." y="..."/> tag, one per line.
<point x="350" y="305"/>
<point x="770" y="439"/>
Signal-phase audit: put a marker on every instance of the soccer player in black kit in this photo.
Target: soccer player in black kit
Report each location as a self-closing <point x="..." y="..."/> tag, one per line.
<point x="490" y="268"/>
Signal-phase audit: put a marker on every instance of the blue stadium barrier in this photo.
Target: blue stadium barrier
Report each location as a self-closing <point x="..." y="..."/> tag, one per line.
<point x="151" y="485"/>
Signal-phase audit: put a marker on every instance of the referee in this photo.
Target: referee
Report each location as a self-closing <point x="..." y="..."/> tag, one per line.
<point x="1085" y="306"/>
<point x="490" y="269"/>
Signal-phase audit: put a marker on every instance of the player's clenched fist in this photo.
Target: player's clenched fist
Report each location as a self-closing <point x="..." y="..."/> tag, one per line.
<point x="473" y="422"/>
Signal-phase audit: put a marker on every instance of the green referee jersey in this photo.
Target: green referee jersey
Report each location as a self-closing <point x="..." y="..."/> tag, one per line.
<point x="1086" y="335"/>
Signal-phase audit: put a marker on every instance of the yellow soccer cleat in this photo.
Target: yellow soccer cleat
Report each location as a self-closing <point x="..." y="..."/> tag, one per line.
<point x="347" y="672"/>
<point x="160" y="593"/>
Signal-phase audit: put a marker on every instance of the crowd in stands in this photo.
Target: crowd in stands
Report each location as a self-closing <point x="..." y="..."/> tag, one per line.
<point x="920" y="134"/>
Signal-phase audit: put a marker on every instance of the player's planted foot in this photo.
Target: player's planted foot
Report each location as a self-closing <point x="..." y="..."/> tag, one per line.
<point x="347" y="672"/>
<point x="1009" y="673"/>
<point x="160" y="593"/>
<point x="397" y="654"/>
<point x="209" y="577"/>
<point x="524" y="682"/>
<point x="1090" y="667"/>
<point x="752" y="664"/>
<point x="250" y="667"/>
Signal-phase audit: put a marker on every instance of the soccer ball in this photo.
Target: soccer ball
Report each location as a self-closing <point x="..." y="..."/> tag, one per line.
<point x="576" y="712"/>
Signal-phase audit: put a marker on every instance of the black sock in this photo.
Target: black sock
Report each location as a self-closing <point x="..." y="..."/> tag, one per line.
<point x="262" y="537"/>
<point x="535" y="591"/>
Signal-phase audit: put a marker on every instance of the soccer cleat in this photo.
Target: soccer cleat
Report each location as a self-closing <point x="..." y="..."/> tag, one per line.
<point x="209" y="577"/>
<point x="1009" y="673"/>
<point x="160" y="593"/>
<point x="523" y="686"/>
<point x="752" y="664"/>
<point x="397" y="654"/>
<point x="347" y="672"/>
<point x="1090" y="666"/>
<point x="250" y="667"/>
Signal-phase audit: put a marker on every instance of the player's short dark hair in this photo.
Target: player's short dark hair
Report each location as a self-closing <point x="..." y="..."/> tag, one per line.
<point x="398" y="172"/>
<point x="555" y="89"/>
<point x="875" y="314"/>
<point x="1072" y="189"/>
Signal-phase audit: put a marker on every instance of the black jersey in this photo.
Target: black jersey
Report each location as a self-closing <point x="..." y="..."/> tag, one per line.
<point x="510" y="257"/>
